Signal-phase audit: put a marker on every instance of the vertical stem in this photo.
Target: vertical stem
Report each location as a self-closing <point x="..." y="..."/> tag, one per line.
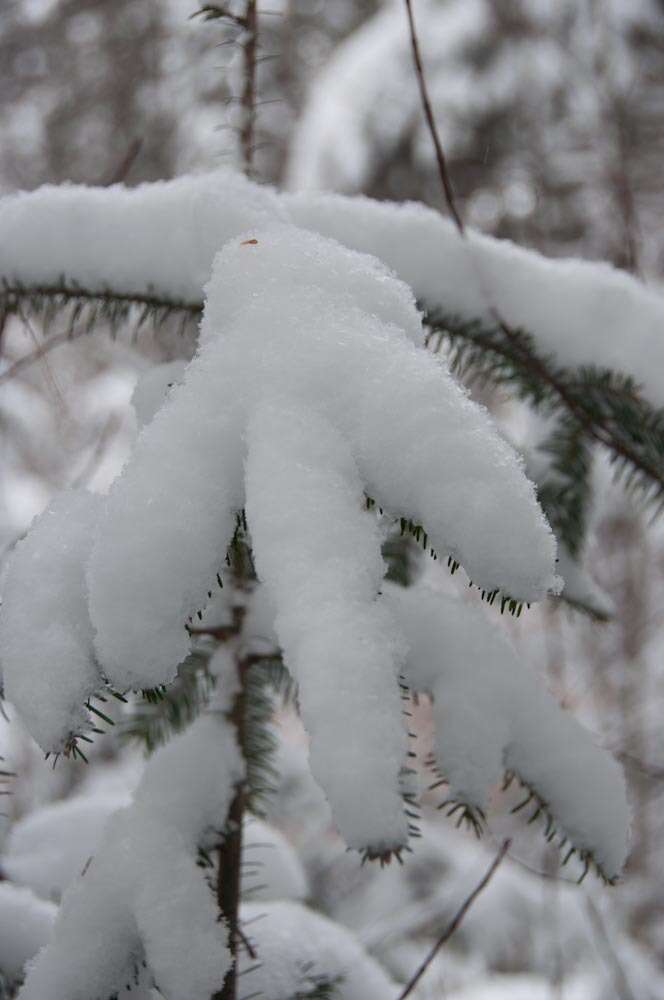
<point x="248" y="99"/>
<point x="230" y="848"/>
<point x="230" y="860"/>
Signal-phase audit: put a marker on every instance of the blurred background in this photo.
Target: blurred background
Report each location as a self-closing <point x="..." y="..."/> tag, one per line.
<point x="552" y="120"/>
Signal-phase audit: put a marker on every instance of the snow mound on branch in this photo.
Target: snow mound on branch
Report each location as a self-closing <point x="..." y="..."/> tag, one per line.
<point x="297" y="949"/>
<point x="114" y="238"/>
<point x="492" y="715"/>
<point x="46" y="640"/>
<point x="143" y="895"/>
<point x="304" y="395"/>
<point x="576" y="310"/>
<point x="157" y="238"/>
<point x="25" y="926"/>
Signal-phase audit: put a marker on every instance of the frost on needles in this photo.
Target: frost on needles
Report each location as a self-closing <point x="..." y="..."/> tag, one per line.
<point x="310" y="392"/>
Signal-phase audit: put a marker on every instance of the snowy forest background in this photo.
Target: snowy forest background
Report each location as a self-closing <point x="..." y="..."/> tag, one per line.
<point x="552" y="120"/>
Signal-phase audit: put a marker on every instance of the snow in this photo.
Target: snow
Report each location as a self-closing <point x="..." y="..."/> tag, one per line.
<point x="339" y="646"/>
<point x="296" y="945"/>
<point x="272" y="869"/>
<point x="581" y="590"/>
<point x="576" y="310"/>
<point x="362" y="406"/>
<point x="152" y="387"/>
<point x="25" y="925"/>
<point x="143" y="894"/>
<point x="165" y="529"/>
<point x="159" y="237"/>
<point x="50" y="846"/>
<point x="46" y="648"/>
<point x="492" y="715"/>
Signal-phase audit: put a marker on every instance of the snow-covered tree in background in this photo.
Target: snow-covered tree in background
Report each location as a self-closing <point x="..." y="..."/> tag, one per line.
<point x="249" y="535"/>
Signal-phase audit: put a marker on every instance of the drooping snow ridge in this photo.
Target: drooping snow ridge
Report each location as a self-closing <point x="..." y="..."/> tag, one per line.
<point x="318" y="553"/>
<point x="165" y="528"/>
<point x="114" y="238"/>
<point x="298" y="948"/>
<point x="491" y="715"/>
<point x="46" y="640"/>
<point x="143" y="895"/>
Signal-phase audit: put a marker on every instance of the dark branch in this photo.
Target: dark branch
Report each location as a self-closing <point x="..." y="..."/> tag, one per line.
<point x="456" y="921"/>
<point x="431" y="123"/>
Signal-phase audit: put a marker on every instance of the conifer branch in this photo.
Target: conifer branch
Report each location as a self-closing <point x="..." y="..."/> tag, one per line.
<point x="606" y="406"/>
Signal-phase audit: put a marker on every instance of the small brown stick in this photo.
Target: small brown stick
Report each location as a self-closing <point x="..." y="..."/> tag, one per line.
<point x="431" y="122"/>
<point x="248" y="99"/>
<point x="456" y="921"/>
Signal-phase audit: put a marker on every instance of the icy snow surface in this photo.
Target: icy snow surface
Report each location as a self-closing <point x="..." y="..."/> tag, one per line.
<point x="143" y="894"/>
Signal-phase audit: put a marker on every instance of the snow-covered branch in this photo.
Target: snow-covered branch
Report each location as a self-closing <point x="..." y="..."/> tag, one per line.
<point x="114" y="238"/>
<point x="143" y="897"/>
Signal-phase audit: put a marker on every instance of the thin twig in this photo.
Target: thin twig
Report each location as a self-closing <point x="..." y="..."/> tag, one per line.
<point x="248" y="99"/>
<point x="431" y="122"/>
<point x="456" y="920"/>
<point x="251" y="951"/>
<point x="623" y="988"/>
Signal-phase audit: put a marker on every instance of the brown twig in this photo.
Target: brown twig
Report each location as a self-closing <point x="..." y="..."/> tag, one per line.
<point x="248" y="98"/>
<point x="431" y="122"/>
<point x="456" y="921"/>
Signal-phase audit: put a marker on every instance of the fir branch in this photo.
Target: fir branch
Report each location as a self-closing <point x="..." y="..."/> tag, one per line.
<point x="84" y="310"/>
<point x="606" y="405"/>
<point x="542" y="811"/>
<point x="247" y="23"/>
<point x="167" y="710"/>
<point x="566" y="492"/>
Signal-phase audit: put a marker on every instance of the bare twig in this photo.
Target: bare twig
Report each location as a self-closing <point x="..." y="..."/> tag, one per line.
<point x="456" y="921"/>
<point x="431" y="122"/>
<point x="248" y="99"/>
